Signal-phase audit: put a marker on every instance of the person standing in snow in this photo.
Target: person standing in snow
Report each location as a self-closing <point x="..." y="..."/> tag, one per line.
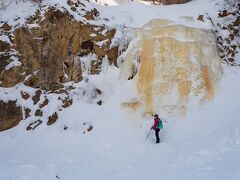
<point x="157" y="126"/>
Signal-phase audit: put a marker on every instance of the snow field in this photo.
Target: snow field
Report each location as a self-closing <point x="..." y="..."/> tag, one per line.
<point x="204" y="145"/>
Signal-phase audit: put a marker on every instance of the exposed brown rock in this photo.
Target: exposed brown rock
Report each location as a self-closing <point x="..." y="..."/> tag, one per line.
<point x="169" y="2"/>
<point x="27" y="112"/>
<point x="45" y="102"/>
<point x="35" y="18"/>
<point x="112" y="55"/>
<point x="25" y="95"/>
<point x="52" y="119"/>
<point x="34" y="125"/>
<point x="76" y="4"/>
<point x="3" y="62"/>
<point x="6" y="76"/>
<point x="224" y="13"/>
<point x="7" y="80"/>
<point x="201" y="18"/>
<point x="10" y="115"/>
<point x="4" y="46"/>
<point x="92" y="14"/>
<point x="36" y="97"/>
<point x="6" y="27"/>
<point x="69" y="2"/>
<point x="32" y="80"/>
<point x="28" y="48"/>
<point x="87" y="45"/>
<point x="72" y="67"/>
<point x="50" y="55"/>
<point x="38" y="112"/>
<point x="53" y="86"/>
<point x="67" y="103"/>
<point x="100" y="50"/>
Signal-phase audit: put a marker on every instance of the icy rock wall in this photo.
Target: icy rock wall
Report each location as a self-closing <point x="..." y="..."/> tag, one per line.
<point x="177" y="65"/>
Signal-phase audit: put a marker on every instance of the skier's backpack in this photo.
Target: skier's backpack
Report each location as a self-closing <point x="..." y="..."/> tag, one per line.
<point x="160" y="125"/>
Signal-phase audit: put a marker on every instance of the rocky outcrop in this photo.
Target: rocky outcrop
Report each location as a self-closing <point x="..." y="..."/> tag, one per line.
<point x="229" y="22"/>
<point x="10" y="115"/>
<point x="33" y="125"/>
<point x="227" y="31"/>
<point x="52" y="50"/>
<point x="32" y="107"/>
<point x="168" y="2"/>
<point x="52" y="119"/>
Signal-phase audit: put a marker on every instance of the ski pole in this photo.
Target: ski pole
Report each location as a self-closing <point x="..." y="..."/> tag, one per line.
<point x="148" y="134"/>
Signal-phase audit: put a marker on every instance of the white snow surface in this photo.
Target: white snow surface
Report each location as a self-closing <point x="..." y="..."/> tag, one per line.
<point x="13" y="63"/>
<point x="136" y="14"/>
<point x="203" y="145"/>
<point x="131" y="14"/>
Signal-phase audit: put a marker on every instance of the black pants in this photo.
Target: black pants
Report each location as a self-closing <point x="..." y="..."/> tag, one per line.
<point x="157" y="135"/>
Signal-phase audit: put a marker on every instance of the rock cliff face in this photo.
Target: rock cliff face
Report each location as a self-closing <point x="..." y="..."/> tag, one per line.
<point x="51" y="48"/>
<point x="227" y="31"/>
<point x="171" y="65"/>
<point x="229" y="23"/>
<point x="10" y="115"/>
<point x="168" y="2"/>
<point x="52" y="51"/>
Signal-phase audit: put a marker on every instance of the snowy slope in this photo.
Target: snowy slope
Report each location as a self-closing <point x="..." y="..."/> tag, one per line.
<point x="203" y="145"/>
<point x="132" y="14"/>
<point x="136" y="14"/>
